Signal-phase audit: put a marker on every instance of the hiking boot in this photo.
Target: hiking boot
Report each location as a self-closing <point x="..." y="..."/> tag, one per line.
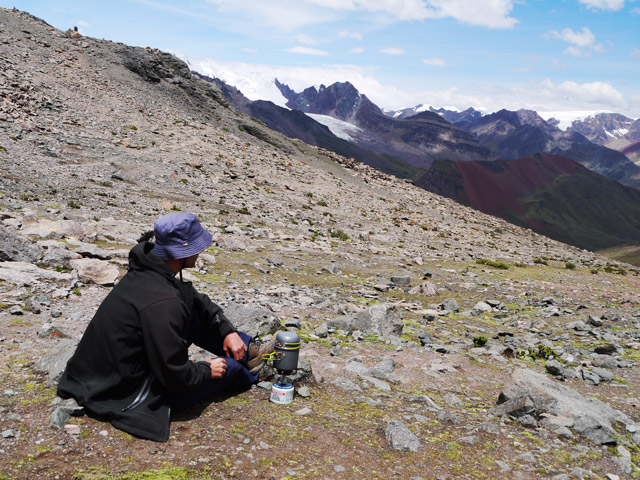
<point x="256" y="350"/>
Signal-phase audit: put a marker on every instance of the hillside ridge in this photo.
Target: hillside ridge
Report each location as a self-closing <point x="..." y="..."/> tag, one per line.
<point x="437" y="341"/>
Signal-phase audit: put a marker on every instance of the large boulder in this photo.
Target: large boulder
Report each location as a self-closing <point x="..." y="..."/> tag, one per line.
<point x="379" y="319"/>
<point x="55" y="360"/>
<point x="252" y="319"/>
<point x="56" y="254"/>
<point x="92" y="270"/>
<point x="18" y="248"/>
<point x="45" y="228"/>
<point x="23" y="274"/>
<point x="537" y="394"/>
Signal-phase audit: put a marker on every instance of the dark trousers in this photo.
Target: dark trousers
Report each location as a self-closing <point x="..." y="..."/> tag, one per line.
<point x="236" y="379"/>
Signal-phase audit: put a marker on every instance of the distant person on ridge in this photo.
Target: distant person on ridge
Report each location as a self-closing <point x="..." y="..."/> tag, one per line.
<point x="132" y="366"/>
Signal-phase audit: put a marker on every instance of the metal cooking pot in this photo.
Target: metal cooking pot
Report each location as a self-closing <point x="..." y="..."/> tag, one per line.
<point x="287" y="349"/>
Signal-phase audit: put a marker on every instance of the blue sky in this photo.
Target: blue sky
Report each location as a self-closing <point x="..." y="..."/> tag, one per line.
<point x="563" y="55"/>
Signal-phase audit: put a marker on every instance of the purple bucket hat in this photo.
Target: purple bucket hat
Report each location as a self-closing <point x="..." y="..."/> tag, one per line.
<point x="179" y="235"/>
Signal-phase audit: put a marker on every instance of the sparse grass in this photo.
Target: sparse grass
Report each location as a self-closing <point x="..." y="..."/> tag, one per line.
<point x="479" y="341"/>
<point x="492" y="263"/>
<point x="166" y="473"/>
<point x="338" y="233"/>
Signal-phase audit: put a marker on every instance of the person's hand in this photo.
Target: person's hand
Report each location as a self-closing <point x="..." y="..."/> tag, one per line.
<point x="234" y="347"/>
<point x="218" y="367"/>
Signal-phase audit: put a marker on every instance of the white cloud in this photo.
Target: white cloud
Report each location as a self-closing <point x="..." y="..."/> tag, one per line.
<point x="392" y="51"/>
<point x="272" y="16"/>
<point x="492" y="14"/>
<point x="635" y="11"/>
<point x="436" y="62"/>
<point x="612" y="5"/>
<point x="307" y="51"/>
<point x="635" y="53"/>
<point x="288" y="15"/>
<point x="576" y="52"/>
<point x="583" y="43"/>
<point x="305" y="39"/>
<point x="250" y="50"/>
<point x="595" y="93"/>
<point x="356" y="50"/>
<point x="257" y="82"/>
<point x="585" y="38"/>
<point x="82" y="23"/>
<point x="346" y="34"/>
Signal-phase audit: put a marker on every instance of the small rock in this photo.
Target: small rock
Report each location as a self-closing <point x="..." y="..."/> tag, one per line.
<point x="578" y="326"/>
<point x="445" y="417"/>
<point x="526" y="457"/>
<point x="426" y="289"/>
<point x="605" y="375"/>
<point x="527" y="421"/>
<point x="399" y="436"/>
<point x="608" y="349"/>
<point x="482" y="307"/>
<point x="425" y="399"/>
<point x="451" y="399"/>
<point x="322" y="331"/>
<point x="605" y="361"/>
<point x="470" y="440"/>
<point x="555" y="368"/>
<point x="72" y="429"/>
<point x="591" y="377"/>
<point x="595" y="321"/>
<point x="401" y="279"/>
<point x="304" y="392"/>
<point x="59" y="417"/>
<point x="304" y="411"/>
<point x="581" y="473"/>
<point x="377" y="384"/>
<point x="346" y="384"/>
<point x="8" y="434"/>
<point x="450" y="304"/>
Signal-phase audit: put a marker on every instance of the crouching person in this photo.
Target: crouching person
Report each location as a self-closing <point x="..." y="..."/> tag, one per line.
<point x="132" y="366"/>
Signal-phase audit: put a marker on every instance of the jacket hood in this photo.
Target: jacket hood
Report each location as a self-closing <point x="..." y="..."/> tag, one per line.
<point x="142" y="258"/>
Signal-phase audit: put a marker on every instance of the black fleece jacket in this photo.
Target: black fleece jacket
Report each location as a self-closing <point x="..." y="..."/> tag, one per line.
<point x="134" y="356"/>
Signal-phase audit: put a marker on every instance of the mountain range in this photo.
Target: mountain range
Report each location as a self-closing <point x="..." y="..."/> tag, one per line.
<point x="550" y="194"/>
<point x="515" y="165"/>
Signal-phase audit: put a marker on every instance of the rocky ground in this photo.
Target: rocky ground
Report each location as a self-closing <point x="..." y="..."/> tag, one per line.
<point x="438" y="342"/>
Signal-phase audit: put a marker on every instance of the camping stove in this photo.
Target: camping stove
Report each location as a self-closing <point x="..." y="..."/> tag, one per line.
<point x="285" y="361"/>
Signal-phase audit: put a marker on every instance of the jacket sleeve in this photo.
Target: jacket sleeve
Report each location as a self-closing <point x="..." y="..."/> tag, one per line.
<point x="163" y="325"/>
<point x="213" y="315"/>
